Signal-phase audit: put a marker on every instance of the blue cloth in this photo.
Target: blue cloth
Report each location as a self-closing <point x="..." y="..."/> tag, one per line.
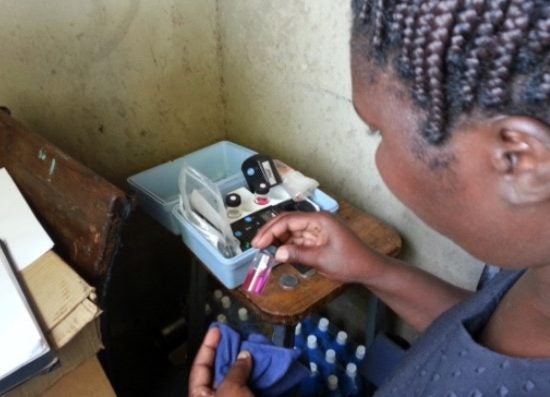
<point x="447" y="360"/>
<point x="275" y="370"/>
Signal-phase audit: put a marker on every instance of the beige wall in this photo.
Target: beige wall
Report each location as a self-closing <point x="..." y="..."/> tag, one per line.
<point x="287" y="91"/>
<point x="123" y="85"/>
<point x="120" y="85"/>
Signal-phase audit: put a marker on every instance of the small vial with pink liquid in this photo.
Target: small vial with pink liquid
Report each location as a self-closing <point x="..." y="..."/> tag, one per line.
<point x="259" y="272"/>
<point x="261" y="192"/>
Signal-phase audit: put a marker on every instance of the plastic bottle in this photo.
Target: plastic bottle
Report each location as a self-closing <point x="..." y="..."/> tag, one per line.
<point x="329" y="365"/>
<point x="216" y="300"/>
<point x="246" y="324"/>
<point x="312" y="386"/>
<point x="229" y="310"/>
<point x="300" y="341"/>
<point x="208" y="313"/>
<point x="340" y="346"/>
<point x="322" y="332"/>
<point x="333" y="387"/>
<point x="221" y="318"/>
<point x="308" y="325"/>
<point x="314" y="352"/>
<point x="359" y="355"/>
<point x="226" y="303"/>
<point x="352" y="384"/>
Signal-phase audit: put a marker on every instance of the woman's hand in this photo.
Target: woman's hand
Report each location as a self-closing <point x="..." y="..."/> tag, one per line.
<point x="318" y="240"/>
<point x="201" y="378"/>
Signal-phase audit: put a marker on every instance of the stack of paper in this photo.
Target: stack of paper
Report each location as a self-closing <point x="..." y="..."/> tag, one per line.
<point x="25" y="350"/>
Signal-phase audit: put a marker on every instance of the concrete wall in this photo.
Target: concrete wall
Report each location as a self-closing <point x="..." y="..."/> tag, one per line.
<point x="288" y="92"/>
<point x="120" y="85"/>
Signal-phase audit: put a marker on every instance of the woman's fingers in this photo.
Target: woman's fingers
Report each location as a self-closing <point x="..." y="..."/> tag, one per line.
<point x="200" y="377"/>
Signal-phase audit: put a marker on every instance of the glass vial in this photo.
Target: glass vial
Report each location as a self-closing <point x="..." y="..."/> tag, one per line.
<point x="259" y="272"/>
<point x="261" y="192"/>
<point x="233" y="202"/>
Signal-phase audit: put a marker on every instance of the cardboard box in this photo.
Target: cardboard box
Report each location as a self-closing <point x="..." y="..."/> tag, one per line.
<point x="88" y="380"/>
<point x="65" y="307"/>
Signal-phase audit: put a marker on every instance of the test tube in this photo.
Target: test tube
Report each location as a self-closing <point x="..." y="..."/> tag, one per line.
<point x="259" y="272"/>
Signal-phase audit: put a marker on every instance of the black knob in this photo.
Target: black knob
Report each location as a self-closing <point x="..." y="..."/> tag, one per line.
<point x="261" y="188"/>
<point x="233" y="200"/>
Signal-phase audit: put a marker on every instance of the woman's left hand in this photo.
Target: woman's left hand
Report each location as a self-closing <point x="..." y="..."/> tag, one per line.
<point x="201" y="379"/>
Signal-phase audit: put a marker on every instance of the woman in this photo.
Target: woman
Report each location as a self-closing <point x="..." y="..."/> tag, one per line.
<point x="459" y="91"/>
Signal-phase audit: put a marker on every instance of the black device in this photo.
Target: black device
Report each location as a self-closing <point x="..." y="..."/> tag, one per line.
<point x="258" y="169"/>
<point x="246" y="228"/>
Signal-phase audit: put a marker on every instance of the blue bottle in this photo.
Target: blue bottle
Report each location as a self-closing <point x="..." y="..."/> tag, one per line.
<point x="246" y="325"/>
<point x="308" y="324"/>
<point x="352" y="383"/>
<point x="217" y="296"/>
<point x="322" y="332"/>
<point x="314" y="352"/>
<point x="359" y="355"/>
<point x="215" y="302"/>
<point x="341" y="347"/>
<point x="333" y="386"/>
<point x="230" y="311"/>
<point x="300" y="342"/>
<point x="221" y="318"/>
<point x="312" y="386"/>
<point x="208" y="314"/>
<point x="329" y="365"/>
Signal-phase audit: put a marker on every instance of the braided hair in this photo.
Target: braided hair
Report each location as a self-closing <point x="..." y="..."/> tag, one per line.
<point x="461" y="56"/>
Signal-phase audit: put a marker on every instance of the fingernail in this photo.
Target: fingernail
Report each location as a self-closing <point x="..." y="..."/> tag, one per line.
<point x="243" y="355"/>
<point x="254" y="241"/>
<point x="282" y="255"/>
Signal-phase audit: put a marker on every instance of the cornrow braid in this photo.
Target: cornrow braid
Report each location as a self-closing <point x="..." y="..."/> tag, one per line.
<point x="458" y="56"/>
<point x="419" y="42"/>
<point x="508" y="41"/>
<point x="538" y="88"/>
<point x="469" y="15"/>
<point x="436" y="59"/>
<point x="480" y="45"/>
<point x="377" y="36"/>
<point x="538" y="40"/>
<point x="409" y="20"/>
<point x="466" y="22"/>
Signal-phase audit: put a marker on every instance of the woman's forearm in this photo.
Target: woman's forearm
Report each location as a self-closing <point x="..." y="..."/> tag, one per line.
<point x="415" y="295"/>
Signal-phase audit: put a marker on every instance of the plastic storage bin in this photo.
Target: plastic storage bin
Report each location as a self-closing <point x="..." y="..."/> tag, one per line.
<point x="157" y="191"/>
<point x="157" y="188"/>
<point x="231" y="271"/>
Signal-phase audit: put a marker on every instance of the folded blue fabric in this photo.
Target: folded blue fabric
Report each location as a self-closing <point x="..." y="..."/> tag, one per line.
<point x="275" y="370"/>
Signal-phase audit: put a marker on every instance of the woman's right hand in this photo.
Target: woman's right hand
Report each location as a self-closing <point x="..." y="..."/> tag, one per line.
<point x="318" y="240"/>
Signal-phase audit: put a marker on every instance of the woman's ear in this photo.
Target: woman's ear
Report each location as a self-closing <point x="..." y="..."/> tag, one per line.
<point x="521" y="157"/>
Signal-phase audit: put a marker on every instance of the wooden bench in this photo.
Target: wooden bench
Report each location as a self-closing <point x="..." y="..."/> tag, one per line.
<point x="82" y="212"/>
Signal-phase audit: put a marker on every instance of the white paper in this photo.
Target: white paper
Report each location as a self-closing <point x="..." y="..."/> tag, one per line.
<point x="23" y="234"/>
<point x="21" y="340"/>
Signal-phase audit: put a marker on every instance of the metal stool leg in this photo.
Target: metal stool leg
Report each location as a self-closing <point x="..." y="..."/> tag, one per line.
<point x="283" y="335"/>
<point x="195" y="308"/>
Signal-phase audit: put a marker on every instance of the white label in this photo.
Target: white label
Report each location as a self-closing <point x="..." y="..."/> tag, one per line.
<point x="268" y="173"/>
